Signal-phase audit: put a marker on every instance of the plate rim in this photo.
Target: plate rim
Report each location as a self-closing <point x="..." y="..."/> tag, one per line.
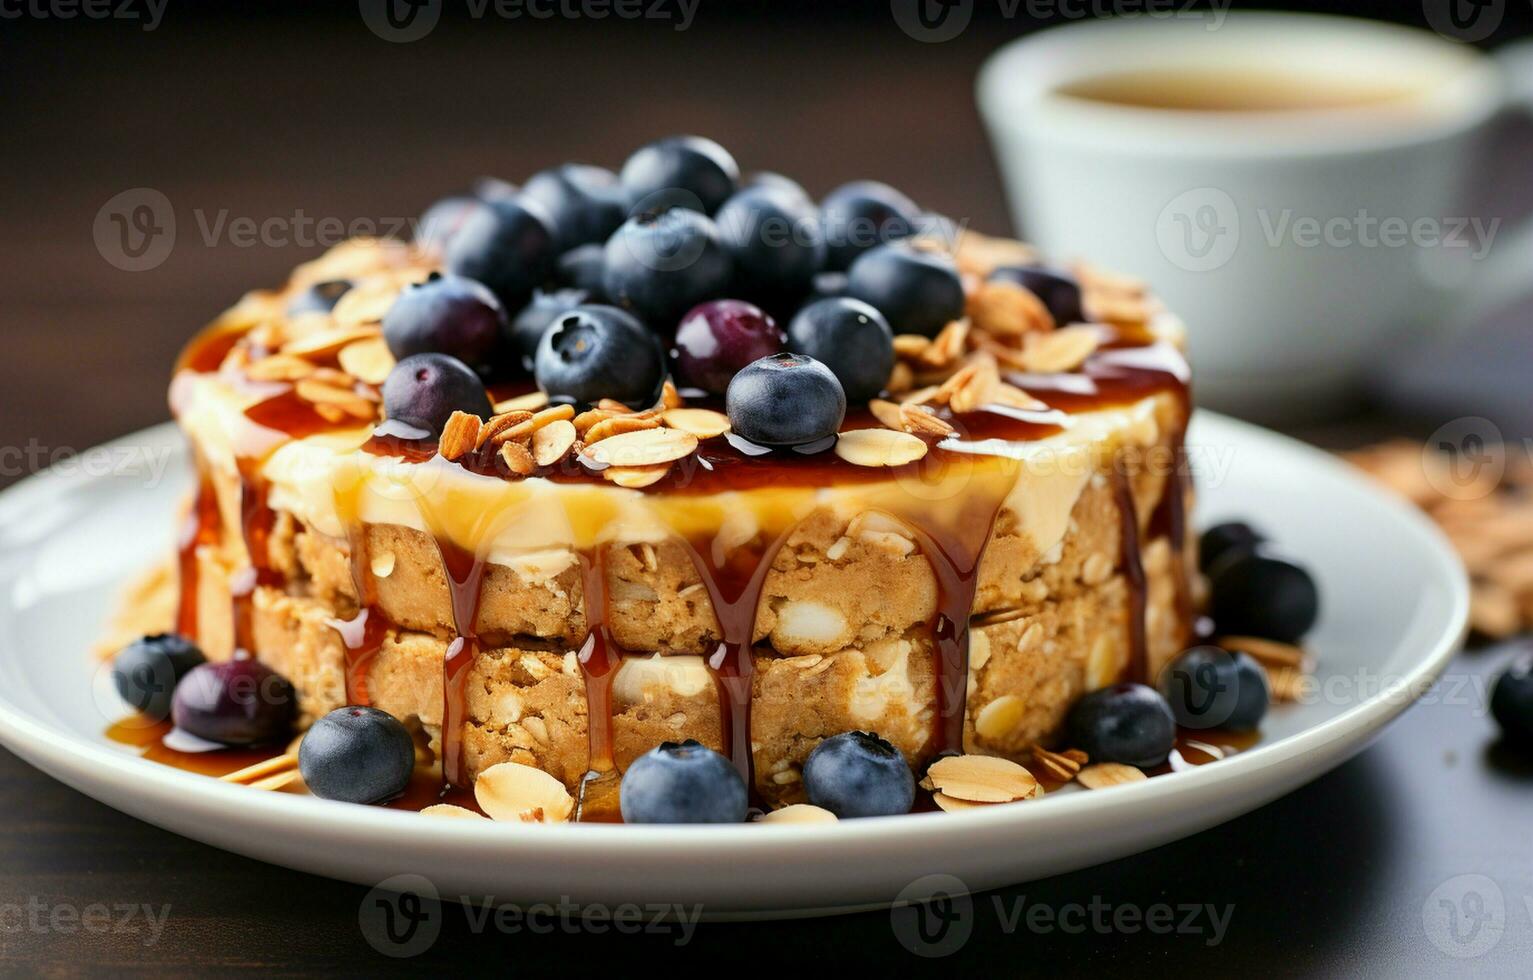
<point x="61" y="748"/>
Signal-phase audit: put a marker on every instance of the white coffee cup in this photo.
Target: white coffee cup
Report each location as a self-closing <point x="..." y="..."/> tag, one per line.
<point x="1295" y="243"/>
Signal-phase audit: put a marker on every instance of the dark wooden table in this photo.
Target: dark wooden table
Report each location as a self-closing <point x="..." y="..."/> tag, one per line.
<point x="279" y="121"/>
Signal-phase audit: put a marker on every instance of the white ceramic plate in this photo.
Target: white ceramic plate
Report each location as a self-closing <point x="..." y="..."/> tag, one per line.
<point x="1395" y="602"/>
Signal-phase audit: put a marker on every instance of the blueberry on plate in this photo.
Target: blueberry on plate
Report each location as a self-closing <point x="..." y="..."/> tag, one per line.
<point x="861" y="215"/>
<point x="445" y="315"/>
<point x="319" y="298"/>
<point x="659" y="266"/>
<point x="357" y="755"/>
<point x="594" y="352"/>
<point x="1221" y="538"/>
<point x="777" y="183"/>
<point x="495" y="189"/>
<point x="1511" y="700"/>
<point x="147" y="671"/>
<point x="527" y="328"/>
<point x="1058" y="290"/>
<point x="684" y="782"/>
<point x="442" y="220"/>
<point x="1127" y="723"/>
<point x="235" y="702"/>
<point x="1252" y="593"/>
<point x="424" y="390"/>
<point x="718" y="338"/>
<point x="1208" y="687"/>
<point x="917" y="291"/>
<point x="774" y="238"/>
<point x="508" y="246"/>
<point x="582" y="268"/>
<point x="858" y="774"/>
<point x="785" y="400"/>
<point x="680" y="172"/>
<point x="585" y="203"/>
<point x="849" y="337"/>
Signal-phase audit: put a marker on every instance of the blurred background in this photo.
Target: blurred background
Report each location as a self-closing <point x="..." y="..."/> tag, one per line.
<point x="275" y="128"/>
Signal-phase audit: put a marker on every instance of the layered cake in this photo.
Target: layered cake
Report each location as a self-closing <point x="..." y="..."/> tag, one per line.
<point x="446" y="479"/>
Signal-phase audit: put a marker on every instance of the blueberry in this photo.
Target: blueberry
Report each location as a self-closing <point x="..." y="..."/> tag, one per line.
<point x="528" y="327"/>
<point x="680" y="171"/>
<point x="660" y="266"/>
<point x="777" y="183"/>
<point x="683" y="782"/>
<point x="1222" y="538"/>
<point x="858" y="774"/>
<point x="508" y="246"/>
<point x="917" y="291"/>
<point x="861" y="215"/>
<point x="357" y="755"/>
<point x="585" y="203"/>
<point x="319" y="298"/>
<point x="774" y="239"/>
<point x="1208" y="687"/>
<point x="1058" y="290"/>
<point x="785" y="400"/>
<point x="718" y="338"/>
<point x="827" y="284"/>
<point x="1511" y="700"/>
<point x="1127" y="723"/>
<point x="147" y="670"/>
<point x="583" y="268"/>
<point x="444" y="219"/>
<point x="425" y="389"/>
<point x="445" y="315"/>
<point x="1257" y="594"/>
<point x="849" y="337"/>
<point x="236" y="702"/>
<point x="494" y="189"/>
<point x="594" y="352"/>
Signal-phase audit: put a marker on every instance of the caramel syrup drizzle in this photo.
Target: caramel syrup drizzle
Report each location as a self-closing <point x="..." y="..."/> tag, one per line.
<point x="600" y="657"/>
<point x="199" y="529"/>
<point x="734" y="584"/>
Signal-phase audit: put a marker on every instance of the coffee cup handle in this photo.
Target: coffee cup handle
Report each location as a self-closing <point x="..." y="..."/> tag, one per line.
<point x="1501" y="277"/>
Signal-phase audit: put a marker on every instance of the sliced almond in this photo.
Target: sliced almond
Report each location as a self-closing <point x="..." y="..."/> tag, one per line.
<point x="1014" y="397"/>
<point x="980" y="779"/>
<point x="530" y="402"/>
<point x="911" y="345"/>
<point x="460" y="435"/>
<point x="515" y="792"/>
<point x="669" y="396"/>
<point x="918" y="420"/>
<point x="887" y="413"/>
<point x="518" y="460"/>
<point x="500" y="423"/>
<point x="799" y="813"/>
<point x="589" y="418"/>
<point x="367" y="360"/>
<point x="951" y="804"/>
<point x="1105" y="774"/>
<point x="618" y="425"/>
<point x="280" y="367"/>
<point x="1062" y="766"/>
<point x="343" y="399"/>
<point x="1000" y="717"/>
<point x="948" y="346"/>
<point x="1007" y="309"/>
<point x="1060" y="350"/>
<point x="366" y="303"/>
<point x="548" y="416"/>
<point x="1270" y="653"/>
<point x="701" y="422"/>
<point x="647" y="447"/>
<point x="553" y="442"/>
<point x="879" y="447"/>
<point x="328" y="342"/>
<point x="277" y="765"/>
<point x="451" y="812"/>
<point x="636" y="477"/>
<point x="901" y="379"/>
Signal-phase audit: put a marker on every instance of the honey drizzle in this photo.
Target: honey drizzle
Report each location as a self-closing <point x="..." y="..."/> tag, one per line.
<point x="1170" y="521"/>
<point x="599" y="658"/>
<point x="1133" y="571"/>
<point x="364" y="633"/>
<point x="465" y="584"/>
<point x="256" y="522"/>
<point x="734" y="590"/>
<point x="199" y="529"/>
